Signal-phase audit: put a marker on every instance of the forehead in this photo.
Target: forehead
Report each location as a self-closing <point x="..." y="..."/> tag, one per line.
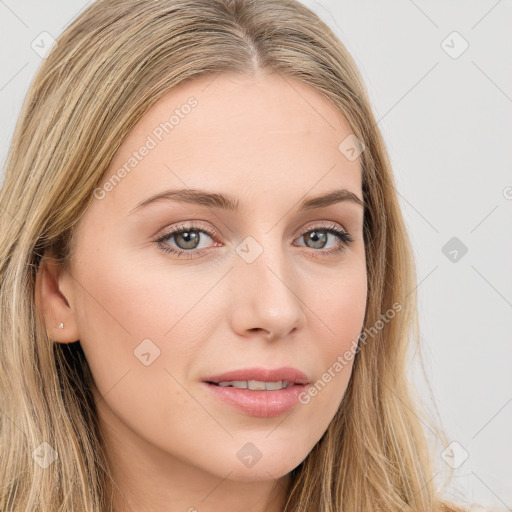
<point x="258" y="137"/>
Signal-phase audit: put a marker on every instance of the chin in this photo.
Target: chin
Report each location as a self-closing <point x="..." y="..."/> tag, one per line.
<point x="275" y="462"/>
<point x="260" y="473"/>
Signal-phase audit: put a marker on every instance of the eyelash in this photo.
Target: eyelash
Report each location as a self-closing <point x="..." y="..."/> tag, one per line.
<point x="343" y="236"/>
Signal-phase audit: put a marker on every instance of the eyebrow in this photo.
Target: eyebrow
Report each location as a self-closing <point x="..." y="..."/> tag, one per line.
<point x="231" y="203"/>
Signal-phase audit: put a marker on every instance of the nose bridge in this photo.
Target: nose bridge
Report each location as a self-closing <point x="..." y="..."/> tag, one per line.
<point x="268" y="295"/>
<point x="267" y="259"/>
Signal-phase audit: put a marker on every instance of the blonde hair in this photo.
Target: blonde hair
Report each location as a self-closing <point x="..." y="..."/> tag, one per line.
<point x="107" y="69"/>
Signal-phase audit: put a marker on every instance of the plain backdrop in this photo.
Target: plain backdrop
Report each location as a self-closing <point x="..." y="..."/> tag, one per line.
<point x="439" y="77"/>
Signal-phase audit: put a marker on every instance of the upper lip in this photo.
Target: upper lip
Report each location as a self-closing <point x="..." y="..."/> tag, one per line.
<point x="284" y="373"/>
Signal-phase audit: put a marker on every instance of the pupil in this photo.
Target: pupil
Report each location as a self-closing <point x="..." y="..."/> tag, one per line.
<point x="191" y="239"/>
<point x="318" y="239"/>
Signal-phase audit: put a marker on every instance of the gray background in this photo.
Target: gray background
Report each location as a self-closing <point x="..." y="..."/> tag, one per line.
<point x="446" y="118"/>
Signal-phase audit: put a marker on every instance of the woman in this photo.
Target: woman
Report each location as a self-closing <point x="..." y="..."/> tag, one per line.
<point x="207" y="286"/>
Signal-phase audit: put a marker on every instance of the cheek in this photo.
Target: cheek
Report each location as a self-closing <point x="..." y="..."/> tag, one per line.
<point x="142" y="328"/>
<point x="132" y="313"/>
<point x="340" y="304"/>
<point x="339" y="310"/>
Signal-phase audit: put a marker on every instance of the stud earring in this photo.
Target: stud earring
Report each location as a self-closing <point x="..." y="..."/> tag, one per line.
<point x="61" y="326"/>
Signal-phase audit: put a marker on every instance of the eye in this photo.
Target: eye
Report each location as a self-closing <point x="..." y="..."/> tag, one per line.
<point x="189" y="240"/>
<point x="318" y="237"/>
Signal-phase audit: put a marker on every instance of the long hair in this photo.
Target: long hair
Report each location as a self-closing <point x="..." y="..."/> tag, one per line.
<point x="106" y="70"/>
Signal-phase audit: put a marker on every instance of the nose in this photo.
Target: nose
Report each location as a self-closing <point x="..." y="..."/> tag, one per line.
<point x="266" y="296"/>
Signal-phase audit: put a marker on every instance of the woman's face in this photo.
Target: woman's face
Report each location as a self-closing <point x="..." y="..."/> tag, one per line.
<point x="264" y="286"/>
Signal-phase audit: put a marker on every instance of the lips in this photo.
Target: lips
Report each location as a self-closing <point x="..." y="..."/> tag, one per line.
<point x="269" y="392"/>
<point x="285" y="374"/>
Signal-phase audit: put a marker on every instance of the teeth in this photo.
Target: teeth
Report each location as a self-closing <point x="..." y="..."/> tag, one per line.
<point x="274" y="385"/>
<point x="256" y="385"/>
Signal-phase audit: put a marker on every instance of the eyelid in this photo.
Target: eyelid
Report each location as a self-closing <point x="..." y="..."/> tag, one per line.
<point x="326" y="224"/>
<point x="188" y="224"/>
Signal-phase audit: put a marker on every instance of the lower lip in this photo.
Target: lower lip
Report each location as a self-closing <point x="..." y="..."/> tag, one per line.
<point x="264" y="404"/>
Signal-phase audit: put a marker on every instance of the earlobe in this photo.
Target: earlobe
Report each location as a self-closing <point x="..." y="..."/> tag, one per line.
<point x="59" y="316"/>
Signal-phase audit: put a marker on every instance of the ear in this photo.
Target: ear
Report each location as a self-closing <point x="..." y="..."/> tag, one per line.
<point x="53" y="300"/>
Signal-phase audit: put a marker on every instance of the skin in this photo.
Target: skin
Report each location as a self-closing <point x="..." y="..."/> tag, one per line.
<point x="269" y="142"/>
